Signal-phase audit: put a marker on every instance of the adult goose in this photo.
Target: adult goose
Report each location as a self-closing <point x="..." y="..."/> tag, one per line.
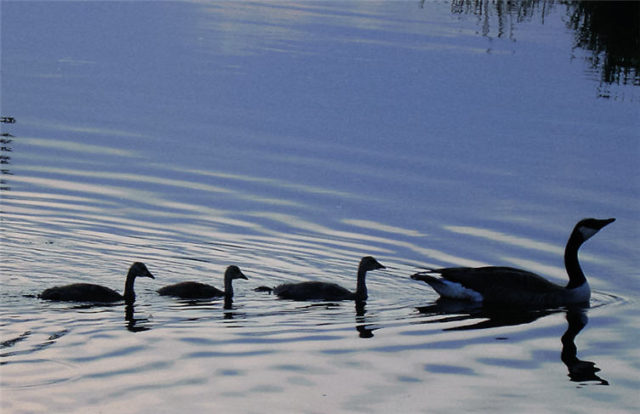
<point x="88" y="292"/>
<point x="509" y="286"/>
<point x="196" y="290"/>
<point x="327" y="291"/>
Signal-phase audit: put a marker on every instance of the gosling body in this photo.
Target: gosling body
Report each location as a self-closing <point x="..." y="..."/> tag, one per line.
<point x="328" y="291"/>
<point x="197" y="290"/>
<point x="88" y="292"/>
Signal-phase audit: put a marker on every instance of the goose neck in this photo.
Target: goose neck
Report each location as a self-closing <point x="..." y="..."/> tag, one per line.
<point x="574" y="271"/>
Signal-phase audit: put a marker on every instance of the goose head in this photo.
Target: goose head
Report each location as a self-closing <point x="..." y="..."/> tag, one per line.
<point x="586" y="228"/>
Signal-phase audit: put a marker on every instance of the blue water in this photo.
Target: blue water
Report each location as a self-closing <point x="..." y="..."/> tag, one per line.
<point x="291" y="139"/>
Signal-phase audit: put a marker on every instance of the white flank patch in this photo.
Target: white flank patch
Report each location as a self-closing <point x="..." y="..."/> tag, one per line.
<point x="455" y="290"/>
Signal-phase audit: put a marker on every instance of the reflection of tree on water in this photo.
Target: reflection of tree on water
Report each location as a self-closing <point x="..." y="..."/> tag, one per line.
<point x="507" y="13"/>
<point x="608" y="30"/>
<point x="454" y="311"/>
<point x="5" y="148"/>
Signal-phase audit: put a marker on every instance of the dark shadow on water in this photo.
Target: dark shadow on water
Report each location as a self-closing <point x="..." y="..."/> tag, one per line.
<point x="10" y="343"/>
<point x="13" y="341"/>
<point x="447" y="311"/>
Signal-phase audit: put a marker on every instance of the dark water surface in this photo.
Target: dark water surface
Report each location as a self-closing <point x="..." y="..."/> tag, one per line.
<point x="292" y="139"/>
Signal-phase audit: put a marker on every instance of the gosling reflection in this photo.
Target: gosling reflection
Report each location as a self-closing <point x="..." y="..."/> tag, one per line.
<point x="364" y="330"/>
<point x="134" y="324"/>
<point x="230" y="311"/>
<point x="447" y="311"/>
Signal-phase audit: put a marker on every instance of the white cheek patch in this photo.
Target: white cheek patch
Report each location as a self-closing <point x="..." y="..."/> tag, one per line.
<point x="587" y="232"/>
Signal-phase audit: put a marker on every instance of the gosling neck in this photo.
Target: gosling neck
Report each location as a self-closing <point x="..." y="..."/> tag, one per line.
<point x="361" y="286"/>
<point x="129" y="295"/>
<point x="576" y="277"/>
<point x="228" y="286"/>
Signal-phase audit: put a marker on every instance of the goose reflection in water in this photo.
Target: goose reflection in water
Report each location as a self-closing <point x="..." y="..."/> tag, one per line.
<point x="579" y="371"/>
<point x="494" y="317"/>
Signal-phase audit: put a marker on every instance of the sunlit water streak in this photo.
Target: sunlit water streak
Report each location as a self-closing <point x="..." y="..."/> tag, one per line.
<point x="383" y="160"/>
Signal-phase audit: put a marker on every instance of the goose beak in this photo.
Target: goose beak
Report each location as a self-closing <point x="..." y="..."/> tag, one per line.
<point x="599" y="224"/>
<point x="242" y="276"/>
<point x="608" y="221"/>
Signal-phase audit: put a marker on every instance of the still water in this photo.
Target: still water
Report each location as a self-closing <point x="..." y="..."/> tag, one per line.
<point x="291" y="139"/>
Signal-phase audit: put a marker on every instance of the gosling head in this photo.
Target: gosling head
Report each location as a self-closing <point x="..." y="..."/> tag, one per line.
<point x="138" y="269"/>
<point x="234" y="272"/>
<point x="369" y="263"/>
<point x="586" y="228"/>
